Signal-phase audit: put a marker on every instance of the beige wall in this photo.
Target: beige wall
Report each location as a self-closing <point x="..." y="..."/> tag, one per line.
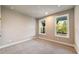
<point x="77" y="28"/>
<point x="50" y="27"/>
<point x="16" y="26"/>
<point x="0" y="11"/>
<point x="0" y="22"/>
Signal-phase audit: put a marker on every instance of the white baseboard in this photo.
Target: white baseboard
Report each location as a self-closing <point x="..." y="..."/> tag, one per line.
<point x="71" y="45"/>
<point x="14" y="43"/>
<point x="77" y="49"/>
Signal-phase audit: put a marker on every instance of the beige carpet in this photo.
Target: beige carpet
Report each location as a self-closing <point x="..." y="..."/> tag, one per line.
<point x="38" y="46"/>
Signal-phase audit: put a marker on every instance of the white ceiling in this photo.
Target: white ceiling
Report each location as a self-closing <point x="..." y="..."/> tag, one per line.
<point x="38" y="11"/>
